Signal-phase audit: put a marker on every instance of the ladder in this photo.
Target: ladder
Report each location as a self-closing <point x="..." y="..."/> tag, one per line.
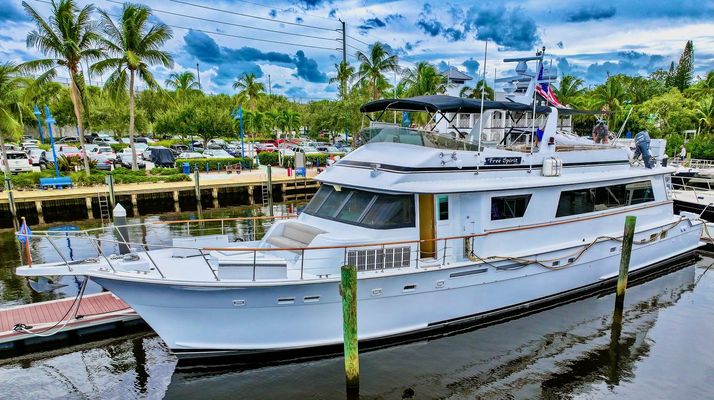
<point x="266" y="193"/>
<point x="104" y="211"/>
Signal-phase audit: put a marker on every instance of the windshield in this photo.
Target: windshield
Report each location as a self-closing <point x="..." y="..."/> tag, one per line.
<point x="398" y="134"/>
<point x="359" y="207"/>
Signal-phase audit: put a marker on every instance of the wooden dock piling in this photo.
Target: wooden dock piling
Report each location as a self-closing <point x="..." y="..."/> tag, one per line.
<point x="270" y="190"/>
<point x="348" y="290"/>
<point x="627" y="238"/>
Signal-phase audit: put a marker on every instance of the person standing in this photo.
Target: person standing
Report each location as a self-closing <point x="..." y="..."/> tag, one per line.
<point x="600" y="132"/>
<point x="682" y="153"/>
<point x="642" y="147"/>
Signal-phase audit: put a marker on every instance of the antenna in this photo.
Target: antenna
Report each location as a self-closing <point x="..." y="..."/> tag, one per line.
<point x="483" y="94"/>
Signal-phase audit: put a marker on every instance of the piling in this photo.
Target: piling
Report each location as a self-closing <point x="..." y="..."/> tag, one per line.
<point x="616" y="328"/>
<point x="270" y="190"/>
<point x="110" y="183"/>
<point x="11" y="200"/>
<point x="120" y="225"/>
<point x="348" y="291"/>
<point x="197" y="185"/>
<point x="630" y="222"/>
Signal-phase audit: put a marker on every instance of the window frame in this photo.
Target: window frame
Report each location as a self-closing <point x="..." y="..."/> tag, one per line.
<point x="528" y="196"/>
<point x="627" y="203"/>
<point x="439" y="199"/>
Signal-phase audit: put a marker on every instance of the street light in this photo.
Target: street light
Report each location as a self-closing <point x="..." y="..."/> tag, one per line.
<point x="39" y="124"/>
<point x="51" y="121"/>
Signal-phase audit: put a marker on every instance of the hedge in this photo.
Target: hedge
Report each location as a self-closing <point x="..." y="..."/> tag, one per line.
<point x="31" y="180"/>
<point x="200" y="163"/>
<point x="268" y="158"/>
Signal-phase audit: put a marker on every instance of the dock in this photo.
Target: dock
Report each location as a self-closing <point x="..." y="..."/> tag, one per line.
<point x="217" y="190"/>
<point x="97" y="313"/>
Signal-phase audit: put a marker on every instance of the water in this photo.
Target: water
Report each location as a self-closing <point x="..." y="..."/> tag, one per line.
<point x="665" y="351"/>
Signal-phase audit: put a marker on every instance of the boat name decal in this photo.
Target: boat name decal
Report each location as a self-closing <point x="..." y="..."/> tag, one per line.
<point x="502" y="160"/>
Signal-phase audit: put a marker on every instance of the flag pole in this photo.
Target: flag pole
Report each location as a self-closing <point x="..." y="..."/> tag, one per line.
<point x="483" y="95"/>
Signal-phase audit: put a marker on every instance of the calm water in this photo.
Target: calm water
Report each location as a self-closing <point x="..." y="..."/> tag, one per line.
<point x="665" y="351"/>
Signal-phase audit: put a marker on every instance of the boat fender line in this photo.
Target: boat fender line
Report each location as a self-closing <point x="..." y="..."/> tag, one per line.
<point x="573" y="257"/>
<point x="20" y="327"/>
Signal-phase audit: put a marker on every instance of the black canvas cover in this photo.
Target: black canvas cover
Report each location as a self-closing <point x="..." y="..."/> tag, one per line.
<point x="162" y="157"/>
<point x="444" y="104"/>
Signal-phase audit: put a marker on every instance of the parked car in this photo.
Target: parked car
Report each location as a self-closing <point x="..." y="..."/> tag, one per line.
<point x="178" y="148"/>
<point x="214" y="153"/>
<point x="190" y="154"/>
<point x="104" y="140"/>
<point x="305" y="149"/>
<point x="124" y="159"/>
<point x="161" y="156"/>
<point x="38" y="158"/>
<point x="104" y="156"/>
<point x="67" y="139"/>
<point x="67" y="151"/>
<point x="18" y="161"/>
<point x="329" y="150"/>
<point x="265" y="147"/>
<point x="127" y="150"/>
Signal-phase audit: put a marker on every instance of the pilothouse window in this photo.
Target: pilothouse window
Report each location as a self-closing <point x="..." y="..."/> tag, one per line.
<point x="359" y="207"/>
<point x="581" y="201"/>
<point x="508" y="207"/>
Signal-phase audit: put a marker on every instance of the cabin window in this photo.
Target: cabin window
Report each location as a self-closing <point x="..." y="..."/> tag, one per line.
<point x="443" y="204"/>
<point x="507" y="207"/>
<point x="581" y="201"/>
<point x="363" y="208"/>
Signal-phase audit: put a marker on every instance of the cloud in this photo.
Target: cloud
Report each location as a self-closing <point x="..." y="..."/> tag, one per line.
<point x="9" y="12"/>
<point x="273" y="13"/>
<point x="296" y="91"/>
<point x="454" y="35"/>
<point x="592" y="13"/>
<point x="456" y="13"/>
<point x="426" y="8"/>
<point x="308" y="69"/>
<point x="332" y="13"/>
<point x="299" y="20"/>
<point x="393" y="18"/>
<point x="277" y="86"/>
<point x="510" y="28"/>
<point x="431" y="27"/>
<point x="560" y="45"/>
<point x="372" y="23"/>
<point x="471" y="66"/>
<point x="235" y="62"/>
<point x="310" y="4"/>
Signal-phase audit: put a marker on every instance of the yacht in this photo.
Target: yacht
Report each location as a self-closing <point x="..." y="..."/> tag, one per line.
<point x="444" y="231"/>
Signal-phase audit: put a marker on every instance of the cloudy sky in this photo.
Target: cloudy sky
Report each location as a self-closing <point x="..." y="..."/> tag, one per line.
<point x="296" y="42"/>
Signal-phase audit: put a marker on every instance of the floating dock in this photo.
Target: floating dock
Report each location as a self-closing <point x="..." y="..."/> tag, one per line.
<point x="52" y="325"/>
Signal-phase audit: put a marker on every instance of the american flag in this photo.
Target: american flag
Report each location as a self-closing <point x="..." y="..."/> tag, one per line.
<point x="546" y="91"/>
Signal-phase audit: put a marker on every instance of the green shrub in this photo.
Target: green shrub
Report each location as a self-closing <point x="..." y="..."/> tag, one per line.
<point x="118" y="147"/>
<point x="266" y="158"/>
<point x="200" y="163"/>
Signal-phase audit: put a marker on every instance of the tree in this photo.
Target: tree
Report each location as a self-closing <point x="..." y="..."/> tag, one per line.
<point x="704" y="87"/>
<point x="372" y="68"/>
<point x="569" y="89"/>
<point x="475" y="92"/>
<point x="183" y="83"/>
<point x="423" y="79"/>
<point x="132" y="47"/>
<point x="67" y="38"/>
<point x="682" y="77"/>
<point x="250" y="88"/>
<point x="11" y="92"/>
<point x="611" y="95"/>
<point x="345" y="73"/>
<point x="290" y="120"/>
<point x="705" y="114"/>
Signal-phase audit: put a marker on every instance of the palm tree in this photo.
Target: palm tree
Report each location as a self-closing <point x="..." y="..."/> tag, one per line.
<point x="475" y="92"/>
<point x="67" y="38"/>
<point x="373" y="66"/>
<point x="250" y="88"/>
<point x="132" y="47"/>
<point x="423" y="79"/>
<point x="11" y="93"/>
<point x="290" y="120"/>
<point x="705" y="114"/>
<point x="569" y="89"/>
<point x="183" y="83"/>
<point x="705" y="87"/>
<point x="345" y="72"/>
<point x="611" y="95"/>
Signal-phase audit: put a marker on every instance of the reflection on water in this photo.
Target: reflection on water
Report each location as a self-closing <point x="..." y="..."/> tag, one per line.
<point x="664" y="351"/>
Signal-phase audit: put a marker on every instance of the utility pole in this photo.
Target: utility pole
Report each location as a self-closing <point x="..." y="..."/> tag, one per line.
<point x="270" y="87"/>
<point x="344" y="42"/>
<point x="198" y="76"/>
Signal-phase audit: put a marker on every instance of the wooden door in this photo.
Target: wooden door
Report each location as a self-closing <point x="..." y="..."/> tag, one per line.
<point x="427" y="229"/>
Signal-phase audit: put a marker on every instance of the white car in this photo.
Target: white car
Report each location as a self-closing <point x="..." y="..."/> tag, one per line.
<point x="104" y="140"/>
<point x="38" y="157"/>
<point x="213" y="153"/>
<point x="190" y="154"/>
<point x="18" y="161"/>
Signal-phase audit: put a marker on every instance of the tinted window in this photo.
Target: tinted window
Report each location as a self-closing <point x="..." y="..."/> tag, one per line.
<point x="581" y="201"/>
<point x="358" y="207"/>
<point x="507" y="207"/>
<point x="443" y="208"/>
<point x="16" y="156"/>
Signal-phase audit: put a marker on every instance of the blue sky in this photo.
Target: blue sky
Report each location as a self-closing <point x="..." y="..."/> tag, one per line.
<point x="299" y="47"/>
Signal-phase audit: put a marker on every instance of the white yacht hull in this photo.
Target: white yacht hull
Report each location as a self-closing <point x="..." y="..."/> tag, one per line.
<point x="196" y="319"/>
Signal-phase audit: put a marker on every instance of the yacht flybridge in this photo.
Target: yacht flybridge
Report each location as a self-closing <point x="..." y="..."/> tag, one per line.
<point x="444" y="230"/>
